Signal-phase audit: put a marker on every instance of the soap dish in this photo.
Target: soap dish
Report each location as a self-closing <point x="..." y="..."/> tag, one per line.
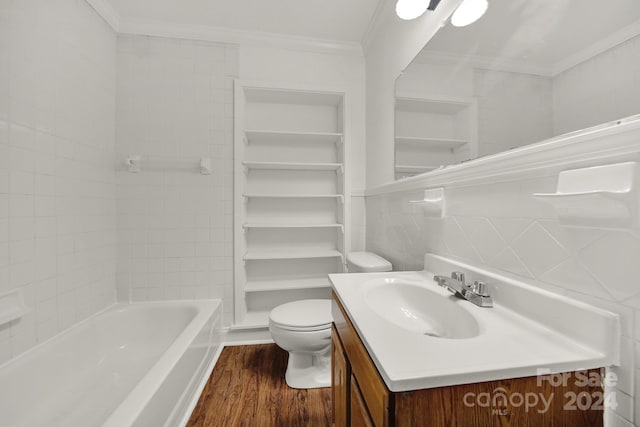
<point x="599" y="196"/>
<point x="433" y="204"/>
<point x="12" y="306"/>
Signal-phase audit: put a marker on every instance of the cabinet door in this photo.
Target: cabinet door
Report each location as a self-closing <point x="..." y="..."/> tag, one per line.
<point x="359" y="414"/>
<point x="340" y="374"/>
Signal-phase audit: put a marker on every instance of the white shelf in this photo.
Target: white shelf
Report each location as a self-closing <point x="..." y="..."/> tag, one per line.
<point x="293" y="166"/>
<point x="287" y="284"/>
<point x="258" y="225"/>
<point x="292" y="196"/>
<point x="434" y="130"/>
<point x="289" y="196"/>
<point x="272" y="136"/>
<point x="286" y="96"/>
<point x="265" y="254"/>
<point x="432" y="106"/>
<point x="441" y="143"/>
<point x="597" y="196"/>
<point x="414" y="168"/>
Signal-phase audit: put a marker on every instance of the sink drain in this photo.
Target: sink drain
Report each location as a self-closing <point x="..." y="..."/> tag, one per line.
<point x="431" y="334"/>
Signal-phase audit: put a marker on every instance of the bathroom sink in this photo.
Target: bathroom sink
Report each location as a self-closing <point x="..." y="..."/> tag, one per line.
<point x="419" y="335"/>
<point x="417" y="309"/>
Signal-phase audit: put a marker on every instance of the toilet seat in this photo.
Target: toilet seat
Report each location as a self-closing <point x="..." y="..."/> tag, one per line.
<point x="302" y="316"/>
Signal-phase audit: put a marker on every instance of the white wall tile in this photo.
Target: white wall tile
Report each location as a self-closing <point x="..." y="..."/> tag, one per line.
<point x="613" y="260"/>
<point x="56" y="139"/>
<point x="598" y="266"/>
<point x="527" y="247"/>
<point x="172" y="227"/>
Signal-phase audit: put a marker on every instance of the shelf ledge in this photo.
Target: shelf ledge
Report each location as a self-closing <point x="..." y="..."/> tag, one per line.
<point x="436" y="143"/>
<point x="599" y="196"/>
<point x="272" y="136"/>
<point x="286" y="284"/>
<point x="291" y="254"/>
<point x="292" y="166"/>
<point x="293" y="196"/>
<point x="257" y="225"/>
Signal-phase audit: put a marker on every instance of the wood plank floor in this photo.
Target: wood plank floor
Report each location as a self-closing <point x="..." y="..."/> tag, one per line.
<point x="247" y="388"/>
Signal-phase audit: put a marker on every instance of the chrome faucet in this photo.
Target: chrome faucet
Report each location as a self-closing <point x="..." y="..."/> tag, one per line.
<point x="476" y="293"/>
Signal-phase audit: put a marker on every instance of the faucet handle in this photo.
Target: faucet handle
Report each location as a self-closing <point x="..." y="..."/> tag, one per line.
<point x="458" y="275"/>
<point x="480" y="288"/>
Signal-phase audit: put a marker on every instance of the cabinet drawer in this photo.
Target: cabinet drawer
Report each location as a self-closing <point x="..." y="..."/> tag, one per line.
<point x="375" y="394"/>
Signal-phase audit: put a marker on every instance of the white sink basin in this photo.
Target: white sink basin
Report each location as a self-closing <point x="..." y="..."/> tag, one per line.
<point x="417" y="309"/>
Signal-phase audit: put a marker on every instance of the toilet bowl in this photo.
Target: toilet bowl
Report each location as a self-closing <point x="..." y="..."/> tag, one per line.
<point x="303" y="328"/>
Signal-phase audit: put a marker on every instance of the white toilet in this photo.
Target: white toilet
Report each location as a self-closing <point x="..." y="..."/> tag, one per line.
<point x="303" y="328"/>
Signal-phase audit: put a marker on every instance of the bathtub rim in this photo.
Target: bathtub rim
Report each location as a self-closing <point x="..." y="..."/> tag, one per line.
<point x="206" y="312"/>
<point x="128" y="411"/>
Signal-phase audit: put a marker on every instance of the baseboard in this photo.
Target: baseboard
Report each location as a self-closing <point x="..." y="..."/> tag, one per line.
<point x="246" y="336"/>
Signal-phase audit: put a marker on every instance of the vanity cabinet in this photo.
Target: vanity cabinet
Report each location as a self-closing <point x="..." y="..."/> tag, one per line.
<point x="361" y="398"/>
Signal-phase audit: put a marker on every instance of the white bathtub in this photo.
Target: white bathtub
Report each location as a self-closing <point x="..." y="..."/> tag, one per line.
<point x="130" y="365"/>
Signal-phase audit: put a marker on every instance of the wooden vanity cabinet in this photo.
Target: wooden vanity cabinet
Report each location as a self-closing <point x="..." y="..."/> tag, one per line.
<point x="340" y="378"/>
<point x="361" y="398"/>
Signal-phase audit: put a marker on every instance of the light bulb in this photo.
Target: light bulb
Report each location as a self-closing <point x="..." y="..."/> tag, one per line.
<point x="468" y="12"/>
<point x="411" y="9"/>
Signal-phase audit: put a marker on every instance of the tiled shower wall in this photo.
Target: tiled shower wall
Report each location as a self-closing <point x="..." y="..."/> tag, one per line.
<point x="502" y="227"/>
<point x="175" y="105"/>
<point x="57" y="184"/>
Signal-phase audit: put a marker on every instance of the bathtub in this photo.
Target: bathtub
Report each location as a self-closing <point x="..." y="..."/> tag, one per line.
<point x="136" y="364"/>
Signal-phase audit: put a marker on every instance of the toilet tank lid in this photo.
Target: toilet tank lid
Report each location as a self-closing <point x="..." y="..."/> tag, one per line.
<point x="368" y="261"/>
<point x="303" y="314"/>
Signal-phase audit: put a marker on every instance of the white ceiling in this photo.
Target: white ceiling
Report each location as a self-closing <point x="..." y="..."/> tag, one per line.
<point x="338" y="20"/>
<point x="543" y="33"/>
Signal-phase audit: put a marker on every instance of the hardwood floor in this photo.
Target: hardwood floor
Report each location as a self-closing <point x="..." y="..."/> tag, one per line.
<point x="247" y="388"/>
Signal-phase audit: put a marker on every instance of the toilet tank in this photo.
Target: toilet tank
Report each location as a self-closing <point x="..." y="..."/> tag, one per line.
<point x="366" y="262"/>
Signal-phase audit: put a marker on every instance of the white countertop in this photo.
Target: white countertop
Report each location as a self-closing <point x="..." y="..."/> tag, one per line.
<point x="509" y="345"/>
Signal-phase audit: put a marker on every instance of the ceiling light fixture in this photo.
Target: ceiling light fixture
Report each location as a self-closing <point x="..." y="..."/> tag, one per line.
<point x="412" y="9"/>
<point x="468" y="12"/>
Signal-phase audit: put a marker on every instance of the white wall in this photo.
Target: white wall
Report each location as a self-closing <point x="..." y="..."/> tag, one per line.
<point x="603" y="88"/>
<point x="315" y="69"/>
<point x="175" y="226"/>
<point x="514" y="110"/>
<point x="57" y="184"/>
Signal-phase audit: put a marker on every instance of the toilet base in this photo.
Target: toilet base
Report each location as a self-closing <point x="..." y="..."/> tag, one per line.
<point x="306" y="370"/>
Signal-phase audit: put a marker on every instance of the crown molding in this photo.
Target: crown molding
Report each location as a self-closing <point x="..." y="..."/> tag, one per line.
<point x="609" y="42"/>
<point x="107" y="12"/>
<point x="373" y="24"/>
<point x="485" y="62"/>
<point x="521" y="66"/>
<point x="232" y="36"/>
<point x="143" y="27"/>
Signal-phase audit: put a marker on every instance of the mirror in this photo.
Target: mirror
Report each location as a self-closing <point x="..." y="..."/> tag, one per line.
<point x="525" y="72"/>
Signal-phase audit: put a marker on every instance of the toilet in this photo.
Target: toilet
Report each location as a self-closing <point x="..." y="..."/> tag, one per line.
<point x="303" y="328"/>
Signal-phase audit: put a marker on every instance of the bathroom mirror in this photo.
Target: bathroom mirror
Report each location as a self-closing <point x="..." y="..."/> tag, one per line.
<point x="525" y="72"/>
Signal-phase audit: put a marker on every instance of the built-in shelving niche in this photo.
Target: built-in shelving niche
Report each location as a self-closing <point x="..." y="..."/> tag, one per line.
<point x="290" y="197"/>
<point x="433" y="131"/>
